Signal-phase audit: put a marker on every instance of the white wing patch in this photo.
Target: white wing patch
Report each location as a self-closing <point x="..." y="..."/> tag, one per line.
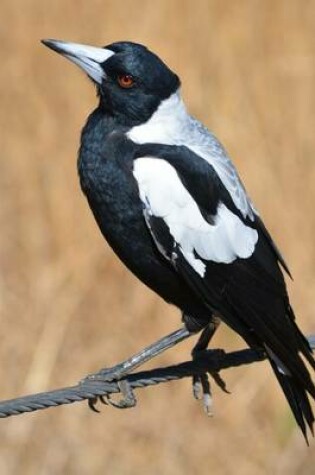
<point x="164" y="196"/>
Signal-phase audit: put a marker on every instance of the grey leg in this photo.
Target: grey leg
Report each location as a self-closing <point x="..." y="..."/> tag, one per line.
<point x="121" y="370"/>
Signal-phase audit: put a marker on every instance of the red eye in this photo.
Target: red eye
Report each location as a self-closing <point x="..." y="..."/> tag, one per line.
<point x="125" y="80"/>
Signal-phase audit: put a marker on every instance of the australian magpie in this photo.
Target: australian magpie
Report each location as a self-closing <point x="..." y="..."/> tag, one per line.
<point x="170" y="203"/>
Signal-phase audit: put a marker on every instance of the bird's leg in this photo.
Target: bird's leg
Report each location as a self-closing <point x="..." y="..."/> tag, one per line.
<point x="121" y="370"/>
<point x="201" y="385"/>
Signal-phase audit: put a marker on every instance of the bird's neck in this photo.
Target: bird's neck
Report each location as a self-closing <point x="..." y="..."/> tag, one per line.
<point x="165" y="125"/>
<point x="96" y="130"/>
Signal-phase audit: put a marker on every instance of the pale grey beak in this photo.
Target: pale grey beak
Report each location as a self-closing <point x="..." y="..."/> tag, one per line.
<point x="89" y="58"/>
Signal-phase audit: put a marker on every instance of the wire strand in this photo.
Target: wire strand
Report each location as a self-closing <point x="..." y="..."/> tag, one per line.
<point x="211" y="361"/>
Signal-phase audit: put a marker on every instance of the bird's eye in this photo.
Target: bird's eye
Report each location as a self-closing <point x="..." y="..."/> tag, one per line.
<point x="125" y="80"/>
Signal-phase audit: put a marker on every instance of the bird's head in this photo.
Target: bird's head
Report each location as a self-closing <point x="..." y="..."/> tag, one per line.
<point x="131" y="80"/>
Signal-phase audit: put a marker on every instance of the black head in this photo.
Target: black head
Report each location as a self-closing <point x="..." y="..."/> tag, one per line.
<point x="131" y="80"/>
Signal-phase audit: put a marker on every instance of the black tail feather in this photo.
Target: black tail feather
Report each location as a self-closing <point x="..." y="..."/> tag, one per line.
<point x="286" y="343"/>
<point x="298" y="400"/>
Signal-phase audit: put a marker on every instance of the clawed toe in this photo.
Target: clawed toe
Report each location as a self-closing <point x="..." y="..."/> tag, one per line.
<point x="219" y="381"/>
<point x="201" y="384"/>
<point x="202" y="391"/>
<point x="197" y="387"/>
<point x="127" y="401"/>
<point x="94" y="400"/>
<point x="92" y="404"/>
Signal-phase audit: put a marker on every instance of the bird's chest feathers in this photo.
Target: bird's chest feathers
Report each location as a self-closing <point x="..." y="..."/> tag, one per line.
<point x="106" y="176"/>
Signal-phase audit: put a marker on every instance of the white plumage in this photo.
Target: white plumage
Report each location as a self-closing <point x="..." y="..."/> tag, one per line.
<point x="164" y="196"/>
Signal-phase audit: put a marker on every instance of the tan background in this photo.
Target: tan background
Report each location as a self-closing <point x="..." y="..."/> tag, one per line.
<point x="68" y="306"/>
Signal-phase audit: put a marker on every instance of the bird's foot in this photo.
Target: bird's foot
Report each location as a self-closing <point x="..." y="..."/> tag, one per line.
<point x="119" y="372"/>
<point x="201" y="384"/>
<point x="108" y="375"/>
<point x="127" y="400"/>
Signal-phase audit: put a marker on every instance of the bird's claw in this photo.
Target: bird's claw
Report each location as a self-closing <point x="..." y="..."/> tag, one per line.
<point x="94" y="400"/>
<point x="201" y="385"/>
<point x="202" y="391"/>
<point x="127" y="401"/>
<point x="197" y="387"/>
<point x="219" y="381"/>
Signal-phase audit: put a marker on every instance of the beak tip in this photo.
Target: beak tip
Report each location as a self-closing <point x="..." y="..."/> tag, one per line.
<point x="55" y="45"/>
<point x="46" y="42"/>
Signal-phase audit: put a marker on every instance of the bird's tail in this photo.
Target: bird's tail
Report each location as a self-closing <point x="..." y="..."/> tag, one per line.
<point x="296" y="393"/>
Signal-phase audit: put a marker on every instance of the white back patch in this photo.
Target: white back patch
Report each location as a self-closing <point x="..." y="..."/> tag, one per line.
<point x="164" y="196"/>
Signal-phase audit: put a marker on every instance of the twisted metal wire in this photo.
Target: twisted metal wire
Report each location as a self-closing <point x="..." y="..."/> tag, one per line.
<point x="209" y="361"/>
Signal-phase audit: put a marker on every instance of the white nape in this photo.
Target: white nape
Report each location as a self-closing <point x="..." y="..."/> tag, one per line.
<point x="164" y="196"/>
<point x="165" y="124"/>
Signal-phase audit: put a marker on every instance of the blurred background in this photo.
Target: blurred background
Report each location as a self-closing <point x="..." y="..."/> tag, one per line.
<point x="68" y="306"/>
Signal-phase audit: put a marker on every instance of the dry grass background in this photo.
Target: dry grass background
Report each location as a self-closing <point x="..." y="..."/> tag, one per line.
<point x="68" y="306"/>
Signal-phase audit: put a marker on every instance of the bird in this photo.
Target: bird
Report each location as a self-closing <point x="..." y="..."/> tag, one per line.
<point x="170" y="203"/>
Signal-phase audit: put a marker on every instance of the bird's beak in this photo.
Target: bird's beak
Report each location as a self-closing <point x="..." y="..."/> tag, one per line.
<point x="89" y="58"/>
